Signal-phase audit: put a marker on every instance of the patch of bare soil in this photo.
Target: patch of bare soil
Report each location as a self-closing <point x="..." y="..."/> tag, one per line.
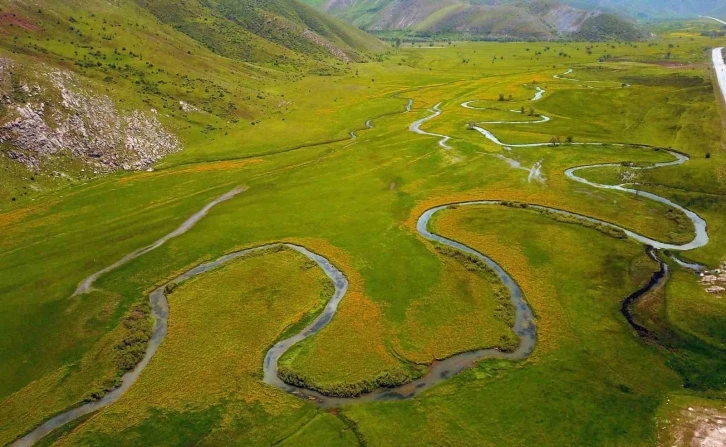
<point x="13" y="19"/>
<point x="699" y="427"/>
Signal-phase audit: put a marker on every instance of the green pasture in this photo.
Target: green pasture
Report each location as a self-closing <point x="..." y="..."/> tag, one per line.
<point x="590" y="381"/>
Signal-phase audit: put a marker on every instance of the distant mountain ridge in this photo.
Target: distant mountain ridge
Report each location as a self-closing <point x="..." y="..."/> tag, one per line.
<point x="541" y="19"/>
<point x="656" y="9"/>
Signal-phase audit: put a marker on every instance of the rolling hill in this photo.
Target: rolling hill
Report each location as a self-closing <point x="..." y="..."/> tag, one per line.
<point x="491" y="19"/>
<point x="256" y="30"/>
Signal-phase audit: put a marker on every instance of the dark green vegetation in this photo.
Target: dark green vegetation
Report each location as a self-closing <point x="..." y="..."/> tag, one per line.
<point x="691" y="334"/>
<point x="610" y="231"/>
<point x="591" y="379"/>
<point x="505" y="309"/>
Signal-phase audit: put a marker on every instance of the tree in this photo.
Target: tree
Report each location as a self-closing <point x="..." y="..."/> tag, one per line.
<point x="555" y="141"/>
<point x="397" y="43"/>
<point x="501" y="96"/>
<point x="522" y="110"/>
<point x="569" y="140"/>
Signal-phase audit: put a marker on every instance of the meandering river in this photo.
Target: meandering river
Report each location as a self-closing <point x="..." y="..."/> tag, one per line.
<point x="524" y="325"/>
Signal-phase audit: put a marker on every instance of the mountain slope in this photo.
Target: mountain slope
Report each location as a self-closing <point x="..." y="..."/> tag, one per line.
<point x="252" y="29"/>
<point x="88" y="87"/>
<point x="492" y="18"/>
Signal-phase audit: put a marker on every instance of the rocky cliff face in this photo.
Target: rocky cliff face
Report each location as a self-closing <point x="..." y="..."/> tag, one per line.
<point x="49" y="115"/>
<point x="566" y="19"/>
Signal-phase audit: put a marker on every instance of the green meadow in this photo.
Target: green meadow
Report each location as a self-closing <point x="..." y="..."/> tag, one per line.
<point x="591" y="379"/>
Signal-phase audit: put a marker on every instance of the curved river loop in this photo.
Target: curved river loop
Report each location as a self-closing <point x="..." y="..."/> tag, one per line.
<point x="439" y="371"/>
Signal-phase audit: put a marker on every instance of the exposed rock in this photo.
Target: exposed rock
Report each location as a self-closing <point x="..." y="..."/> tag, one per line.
<point x="714" y="281"/>
<point x="337" y="52"/>
<point x="709" y="279"/>
<point x="62" y="118"/>
<point x="629" y="177"/>
<point x="186" y="107"/>
<point x="311" y="36"/>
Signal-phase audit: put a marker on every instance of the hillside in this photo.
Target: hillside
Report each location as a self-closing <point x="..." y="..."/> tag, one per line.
<point x="91" y="87"/>
<point x="254" y="30"/>
<point x="489" y="19"/>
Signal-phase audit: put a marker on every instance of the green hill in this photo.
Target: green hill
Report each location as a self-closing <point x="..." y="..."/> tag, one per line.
<point x="657" y="9"/>
<point x="252" y="30"/>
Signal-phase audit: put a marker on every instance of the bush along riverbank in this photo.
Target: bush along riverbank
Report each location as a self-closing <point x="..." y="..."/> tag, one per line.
<point x="567" y="218"/>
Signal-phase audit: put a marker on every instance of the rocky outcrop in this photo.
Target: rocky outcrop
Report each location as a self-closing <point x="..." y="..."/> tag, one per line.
<point x="566" y="19"/>
<point x="52" y="116"/>
<point x="319" y="41"/>
<point x="714" y="281"/>
<point x="310" y="36"/>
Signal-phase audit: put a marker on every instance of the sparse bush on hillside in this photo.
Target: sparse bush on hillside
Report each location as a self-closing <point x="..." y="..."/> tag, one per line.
<point x="608" y="27"/>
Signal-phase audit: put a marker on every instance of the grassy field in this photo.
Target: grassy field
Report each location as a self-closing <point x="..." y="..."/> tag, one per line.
<point x="590" y="381"/>
<point x="214" y="342"/>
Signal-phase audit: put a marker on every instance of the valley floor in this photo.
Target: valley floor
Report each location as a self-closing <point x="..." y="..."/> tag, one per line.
<point x="484" y="292"/>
